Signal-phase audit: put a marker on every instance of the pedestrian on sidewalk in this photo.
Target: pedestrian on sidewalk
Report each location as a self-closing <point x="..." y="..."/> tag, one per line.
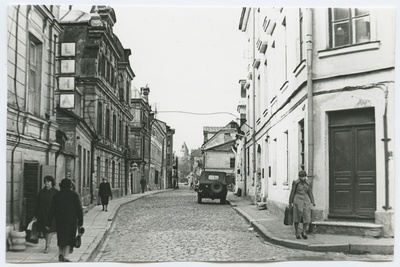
<point x="43" y="204"/>
<point x="105" y="193"/>
<point x="301" y="197"/>
<point x="66" y="208"/>
<point x="143" y="184"/>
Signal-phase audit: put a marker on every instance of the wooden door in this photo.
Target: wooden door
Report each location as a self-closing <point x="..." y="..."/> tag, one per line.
<point x="352" y="181"/>
<point x="31" y="188"/>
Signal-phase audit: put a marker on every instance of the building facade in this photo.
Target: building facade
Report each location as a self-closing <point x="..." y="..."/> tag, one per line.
<point x="319" y="97"/>
<point x="169" y="156"/>
<point x="217" y="151"/>
<point x="157" y="179"/>
<point x="33" y="34"/>
<point x="94" y="75"/>
<point x="139" y="139"/>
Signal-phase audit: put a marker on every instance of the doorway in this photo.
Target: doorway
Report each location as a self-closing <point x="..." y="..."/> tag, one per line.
<point x="352" y="167"/>
<point x="31" y="188"/>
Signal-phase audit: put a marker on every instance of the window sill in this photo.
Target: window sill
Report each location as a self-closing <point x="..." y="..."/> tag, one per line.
<point x="349" y="49"/>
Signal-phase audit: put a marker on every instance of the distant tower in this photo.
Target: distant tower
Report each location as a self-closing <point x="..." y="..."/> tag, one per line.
<point x="184" y="153"/>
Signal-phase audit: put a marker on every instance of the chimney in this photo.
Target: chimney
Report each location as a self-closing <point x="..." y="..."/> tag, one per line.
<point x="145" y="91"/>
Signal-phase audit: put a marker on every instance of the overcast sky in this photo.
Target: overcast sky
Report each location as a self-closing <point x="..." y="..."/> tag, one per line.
<point x="192" y="60"/>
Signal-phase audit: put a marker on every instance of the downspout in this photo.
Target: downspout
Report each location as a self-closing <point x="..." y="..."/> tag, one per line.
<point x="386" y="149"/>
<point x="50" y="83"/>
<point x="245" y="167"/>
<point x="18" y="114"/>
<point x="254" y="108"/>
<point x="310" y="104"/>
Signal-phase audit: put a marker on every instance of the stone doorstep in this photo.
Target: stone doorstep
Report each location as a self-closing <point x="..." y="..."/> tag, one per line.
<point x="262" y="205"/>
<point x="348" y="228"/>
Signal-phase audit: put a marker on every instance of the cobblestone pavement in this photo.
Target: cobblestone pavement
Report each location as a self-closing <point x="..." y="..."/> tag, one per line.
<point x="172" y="226"/>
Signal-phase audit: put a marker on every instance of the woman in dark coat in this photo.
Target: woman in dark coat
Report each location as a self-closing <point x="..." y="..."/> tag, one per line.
<point x="301" y="197"/>
<point x="43" y="204"/>
<point x="67" y="210"/>
<point x="105" y="193"/>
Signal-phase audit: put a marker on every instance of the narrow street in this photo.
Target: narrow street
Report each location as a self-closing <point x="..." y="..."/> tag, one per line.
<point x="172" y="226"/>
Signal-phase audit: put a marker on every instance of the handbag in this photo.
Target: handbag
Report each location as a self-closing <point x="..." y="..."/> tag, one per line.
<point x="288" y="219"/>
<point x="78" y="238"/>
<point x="32" y="232"/>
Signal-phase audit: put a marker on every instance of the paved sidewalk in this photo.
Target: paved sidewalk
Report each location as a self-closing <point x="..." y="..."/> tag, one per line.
<point x="271" y="228"/>
<point x="97" y="224"/>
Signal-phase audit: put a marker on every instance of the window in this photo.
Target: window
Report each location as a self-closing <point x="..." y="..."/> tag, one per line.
<point x="119" y="175"/>
<point x="285" y="50"/>
<point x="113" y="174"/>
<point x="100" y="118"/>
<point x="127" y="90"/>
<point x="349" y="26"/>
<point x="84" y="169"/>
<point x="114" y="133"/>
<point x="126" y="134"/>
<point x="107" y="131"/>
<point x="98" y="170"/>
<point x="286" y="177"/>
<point x="106" y="168"/>
<point x="301" y="38"/>
<point x="120" y="132"/>
<point x="232" y="163"/>
<point x="34" y="76"/>
<point x="88" y="169"/>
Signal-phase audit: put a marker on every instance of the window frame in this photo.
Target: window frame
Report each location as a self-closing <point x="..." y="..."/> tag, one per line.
<point x="352" y="31"/>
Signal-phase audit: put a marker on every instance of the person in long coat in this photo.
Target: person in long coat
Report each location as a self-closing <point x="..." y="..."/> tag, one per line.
<point x="105" y="193"/>
<point x="43" y="204"/>
<point x="67" y="210"/>
<point x="301" y="197"/>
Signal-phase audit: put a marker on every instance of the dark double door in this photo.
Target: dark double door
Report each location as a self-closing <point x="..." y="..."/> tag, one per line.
<point x="352" y="165"/>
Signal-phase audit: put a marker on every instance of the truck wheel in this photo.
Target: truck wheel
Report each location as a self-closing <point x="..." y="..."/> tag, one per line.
<point x="198" y="198"/>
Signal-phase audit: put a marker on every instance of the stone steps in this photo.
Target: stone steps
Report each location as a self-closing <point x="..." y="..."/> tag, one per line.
<point x="348" y="228"/>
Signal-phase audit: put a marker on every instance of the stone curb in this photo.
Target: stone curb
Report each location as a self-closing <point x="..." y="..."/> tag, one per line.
<point x="345" y="248"/>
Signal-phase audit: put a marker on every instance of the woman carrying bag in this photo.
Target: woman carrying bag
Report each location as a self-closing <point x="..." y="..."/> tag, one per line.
<point x="301" y="197"/>
<point x="42" y="210"/>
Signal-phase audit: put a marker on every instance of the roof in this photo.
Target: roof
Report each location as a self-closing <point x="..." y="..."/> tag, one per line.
<point x="75" y="16"/>
<point x="212" y="129"/>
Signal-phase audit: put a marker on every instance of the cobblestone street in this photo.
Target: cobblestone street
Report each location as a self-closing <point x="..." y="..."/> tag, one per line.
<point x="172" y="226"/>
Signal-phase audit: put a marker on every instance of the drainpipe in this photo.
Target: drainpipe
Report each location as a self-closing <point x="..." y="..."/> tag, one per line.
<point x="245" y="167"/>
<point x="254" y="107"/>
<point x="310" y="106"/>
<point x="18" y="114"/>
<point x="50" y="83"/>
<point x="386" y="149"/>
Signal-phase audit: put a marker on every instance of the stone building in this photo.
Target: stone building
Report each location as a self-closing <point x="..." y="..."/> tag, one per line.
<point x="217" y="151"/>
<point x="157" y="175"/>
<point x="169" y="156"/>
<point x="33" y="34"/>
<point x="139" y="137"/>
<point x="95" y="74"/>
<point x="319" y="97"/>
